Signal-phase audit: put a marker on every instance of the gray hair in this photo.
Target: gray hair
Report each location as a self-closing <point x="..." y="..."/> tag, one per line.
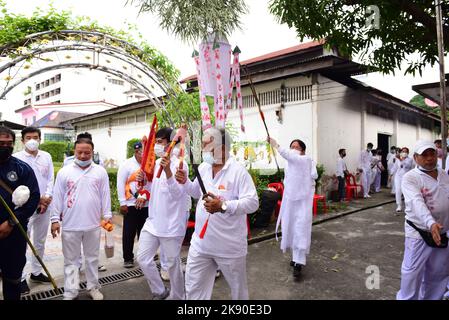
<point x="221" y="137"/>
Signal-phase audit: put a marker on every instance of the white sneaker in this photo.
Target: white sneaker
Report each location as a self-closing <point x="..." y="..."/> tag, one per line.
<point x="95" y="294"/>
<point x="398" y="209"/>
<point x="164" y="275"/>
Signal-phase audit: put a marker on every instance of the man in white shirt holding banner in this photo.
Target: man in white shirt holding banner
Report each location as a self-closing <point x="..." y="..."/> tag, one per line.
<point x="220" y="237"/>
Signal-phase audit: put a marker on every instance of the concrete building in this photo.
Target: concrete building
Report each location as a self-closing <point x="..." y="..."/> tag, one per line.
<point x="306" y="92"/>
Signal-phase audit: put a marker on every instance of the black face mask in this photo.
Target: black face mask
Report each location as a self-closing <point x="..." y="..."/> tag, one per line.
<point x="5" y="153"/>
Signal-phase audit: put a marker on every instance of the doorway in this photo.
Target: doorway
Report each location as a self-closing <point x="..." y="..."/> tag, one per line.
<point x="383" y="143"/>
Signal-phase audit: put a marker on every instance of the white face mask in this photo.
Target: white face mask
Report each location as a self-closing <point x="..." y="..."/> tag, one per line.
<point x="404" y="154"/>
<point x="159" y="150"/>
<point x="32" y="145"/>
<point x="208" y="157"/>
<point x="83" y="163"/>
<point x="379" y="158"/>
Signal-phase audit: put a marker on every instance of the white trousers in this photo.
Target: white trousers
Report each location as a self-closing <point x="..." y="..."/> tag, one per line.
<point x="37" y="231"/>
<point x="366" y="180"/>
<point x="71" y="249"/>
<point x="424" y="271"/>
<point x="171" y="247"/>
<point x="200" y="275"/>
<point x="398" y="190"/>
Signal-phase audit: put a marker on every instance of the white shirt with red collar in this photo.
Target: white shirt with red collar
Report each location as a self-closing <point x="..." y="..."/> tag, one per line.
<point x="226" y="234"/>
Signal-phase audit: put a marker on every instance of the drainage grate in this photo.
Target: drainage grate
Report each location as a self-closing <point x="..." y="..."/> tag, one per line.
<point x="114" y="278"/>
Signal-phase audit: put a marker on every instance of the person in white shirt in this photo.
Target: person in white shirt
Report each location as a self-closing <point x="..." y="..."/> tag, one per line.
<point x="295" y="216"/>
<point x="377" y="170"/>
<point x="425" y="271"/>
<point x="166" y="224"/>
<point x="391" y="159"/>
<point x="402" y="165"/>
<point x="342" y="172"/>
<point x="133" y="207"/>
<point x="81" y="197"/>
<point x="231" y="197"/>
<point x="365" y="159"/>
<point x="42" y="165"/>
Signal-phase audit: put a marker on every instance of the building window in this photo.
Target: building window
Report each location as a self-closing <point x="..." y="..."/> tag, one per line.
<point x="52" y="80"/>
<point x="26" y="121"/>
<point x="58" y="78"/>
<point x="38" y="86"/>
<point x="47" y="83"/>
<point x="57" y="91"/>
<point x="38" y="98"/>
<point x="34" y="119"/>
<point x="53" y="137"/>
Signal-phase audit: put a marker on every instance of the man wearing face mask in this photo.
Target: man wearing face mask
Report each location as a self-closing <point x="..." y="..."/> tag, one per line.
<point x="402" y="165"/>
<point x="166" y="225"/>
<point x="81" y="197"/>
<point x="231" y="197"/>
<point x="96" y="156"/>
<point x="14" y="173"/>
<point x="342" y="172"/>
<point x="365" y="160"/>
<point x="133" y="208"/>
<point x="42" y="165"/>
<point x="391" y="158"/>
<point x="425" y="272"/>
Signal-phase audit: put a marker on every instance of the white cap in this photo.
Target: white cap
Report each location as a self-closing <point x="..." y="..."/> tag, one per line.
<point x="423" y="145"/>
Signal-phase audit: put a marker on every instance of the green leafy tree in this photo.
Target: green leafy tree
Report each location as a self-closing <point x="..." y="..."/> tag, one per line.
<point x="405" y="28"/>
<point x="195" y="19"/>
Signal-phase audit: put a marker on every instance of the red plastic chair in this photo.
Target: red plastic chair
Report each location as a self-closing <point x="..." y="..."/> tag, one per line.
<point x="352" y="187"/>
<point x="279" y="187"/>
<point x="317" y="198"/>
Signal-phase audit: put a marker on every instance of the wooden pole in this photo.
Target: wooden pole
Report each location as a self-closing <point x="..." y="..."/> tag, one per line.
<point x="443" y="105"/>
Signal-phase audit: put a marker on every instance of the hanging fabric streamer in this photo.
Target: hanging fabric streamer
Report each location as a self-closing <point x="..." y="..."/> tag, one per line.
<point x="205" y="114"/>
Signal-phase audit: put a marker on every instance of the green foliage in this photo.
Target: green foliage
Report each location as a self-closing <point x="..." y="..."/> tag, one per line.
<point x="406" y="27"/>
<point x="15" y="27"/>
<point x="320" y="170"/>
<point x="418" y="101"/>
<point x="130" y="147"/>
<point x="55" y="149"/>
<point x="193" y="20"/>
<point x="261" y="181"/>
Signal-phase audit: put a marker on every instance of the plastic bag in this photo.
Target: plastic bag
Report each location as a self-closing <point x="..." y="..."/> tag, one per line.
<point x="109" y="245"/>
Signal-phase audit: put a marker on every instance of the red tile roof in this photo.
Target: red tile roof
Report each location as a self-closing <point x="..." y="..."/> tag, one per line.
<point x="272" y="55"/>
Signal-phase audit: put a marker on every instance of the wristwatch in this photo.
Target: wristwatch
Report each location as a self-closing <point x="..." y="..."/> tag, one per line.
<point x="224" y="207"/>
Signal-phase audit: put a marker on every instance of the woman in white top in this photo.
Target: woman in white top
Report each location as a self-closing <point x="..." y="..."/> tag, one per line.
<point x="403" y="165"/>
<point x="295" y="216"/>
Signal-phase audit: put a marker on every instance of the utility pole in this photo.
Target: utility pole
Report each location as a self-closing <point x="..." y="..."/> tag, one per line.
<point x="439" y="17"/>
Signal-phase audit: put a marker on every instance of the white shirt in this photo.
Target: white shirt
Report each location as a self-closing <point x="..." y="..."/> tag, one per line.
<point x="390" y="162"/>
<point x="167" y="214"/>
<point x="341" y="167"/>
<point x="124" y="172"/>
<point x="426" y="201"/>
<point x="300" y="174"/>
<point x="365" y="159"/>
<point x="82" y="196"/>
<point x="42" y="166"/>
<point x="401" y="167"/>
<point x="226" y="234"/>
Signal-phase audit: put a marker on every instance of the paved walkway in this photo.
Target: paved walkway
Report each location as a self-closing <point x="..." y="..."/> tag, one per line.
<point x="54" y="259"/>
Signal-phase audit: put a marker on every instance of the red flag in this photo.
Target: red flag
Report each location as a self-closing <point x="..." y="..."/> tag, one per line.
<point x="148" y="156"/>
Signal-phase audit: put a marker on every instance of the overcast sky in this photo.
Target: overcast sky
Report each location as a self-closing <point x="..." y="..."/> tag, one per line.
<point x="261" y="34"/>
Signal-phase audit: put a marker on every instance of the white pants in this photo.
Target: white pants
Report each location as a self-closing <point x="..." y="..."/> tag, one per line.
<point x="71" y="249"/>
<point x="398" y="190"/>
<point x="200" y="275"/>
<point x="38" y="226"/>
<point x="366" y="180"/>
<point x="171" y="247"/>
<point x="424" y="271"/>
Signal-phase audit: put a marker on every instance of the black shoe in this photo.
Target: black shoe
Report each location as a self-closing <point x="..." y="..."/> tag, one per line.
<point x="292" y="263"/>
<point x="128" y="264"/>
<point x="24" y="289"/>
<point x="40" y="278"/>
<point x="297" y="270"/>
